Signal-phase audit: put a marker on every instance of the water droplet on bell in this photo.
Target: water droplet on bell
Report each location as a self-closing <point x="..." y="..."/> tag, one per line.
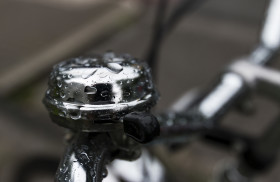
<point x="75" y="115"/>
<point x="84" y="76"/>
<point x="62" y="95"/>
<point x="61" y="114"/>
<point x="108" y="55"/>
<point x="103" y="75"/>
<point x="126" y="94"/>
<point x="59" y="84"/>
<point x="63" y="169"/>
<point x="92" y="173"/>
<point x="104" y="173"/>
<point x="90" y="90"/>
<point x="104" y="93"/>
<point x="115" y="67"/>
<point x="141" y="83"/>
<point x="117" y="59"/>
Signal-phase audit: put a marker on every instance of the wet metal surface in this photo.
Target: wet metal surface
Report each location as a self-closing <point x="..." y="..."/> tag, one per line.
<point x="85" y="93"/>
<point x="85" y="159"/>
<point x="91" y="95"/>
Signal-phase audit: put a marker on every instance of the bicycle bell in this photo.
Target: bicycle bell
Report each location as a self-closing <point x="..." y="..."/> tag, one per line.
<point x="94" y="93"/>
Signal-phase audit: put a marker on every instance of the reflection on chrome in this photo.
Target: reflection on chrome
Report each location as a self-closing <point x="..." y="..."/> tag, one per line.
<point x="271" y="31"/>
<point x="270" y="36"/>
<point x="145" y="168"/>
<point x="78" y="173"/>
<point x="101" y="88"/>
<point x="85" y="159"/>
<point x="231" y="84"/>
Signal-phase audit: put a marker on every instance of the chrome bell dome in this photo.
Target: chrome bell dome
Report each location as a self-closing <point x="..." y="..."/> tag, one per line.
<point x="94" y="93"/>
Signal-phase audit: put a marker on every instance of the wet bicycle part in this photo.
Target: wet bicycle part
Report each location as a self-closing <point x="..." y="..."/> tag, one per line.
<point x="85" y="158"/>
<point x="91" y="96"/>
<point x="88" y="154"/>
<point x="143" y="127"/>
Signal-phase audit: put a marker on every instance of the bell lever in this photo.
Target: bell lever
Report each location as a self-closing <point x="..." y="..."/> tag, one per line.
<point x="142" y="127"/>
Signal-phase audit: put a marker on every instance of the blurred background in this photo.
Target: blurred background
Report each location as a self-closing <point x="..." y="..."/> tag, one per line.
<point x="34" y="35"/>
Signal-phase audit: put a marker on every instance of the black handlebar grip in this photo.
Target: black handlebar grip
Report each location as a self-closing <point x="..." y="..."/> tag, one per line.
<point x="142" y="127"/>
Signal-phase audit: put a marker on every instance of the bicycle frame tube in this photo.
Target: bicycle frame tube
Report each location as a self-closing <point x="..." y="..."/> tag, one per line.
<point x="232" y="85"/>
<point x="270" y="36"/>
